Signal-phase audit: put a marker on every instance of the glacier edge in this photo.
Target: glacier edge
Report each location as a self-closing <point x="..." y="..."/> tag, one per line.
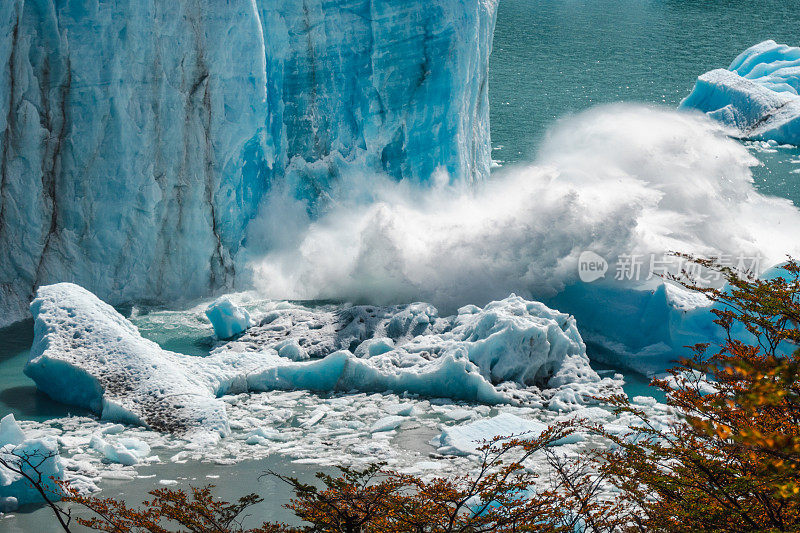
<point x="139" y="140"/>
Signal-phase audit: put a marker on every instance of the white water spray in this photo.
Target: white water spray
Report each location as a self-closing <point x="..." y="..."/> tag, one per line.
<point x="616" y="180"/>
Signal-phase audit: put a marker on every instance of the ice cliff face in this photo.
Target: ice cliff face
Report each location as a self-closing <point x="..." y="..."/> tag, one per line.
<point x="138" y="139"/>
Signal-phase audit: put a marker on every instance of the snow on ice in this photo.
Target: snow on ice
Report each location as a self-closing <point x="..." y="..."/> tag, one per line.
<point x="758" y="95"/>
<point x="85" y="353"/>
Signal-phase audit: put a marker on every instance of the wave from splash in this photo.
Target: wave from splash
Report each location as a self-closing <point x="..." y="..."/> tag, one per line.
<point x="616" y="180"/>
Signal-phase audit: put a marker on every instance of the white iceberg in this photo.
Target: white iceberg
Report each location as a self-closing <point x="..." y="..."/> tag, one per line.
<point x="27" y="453"/>
<point x="126" y="451"/>
<point x="227" y="318"/>
<point x="757" y="95"/>
<point x="466" y="439"/>
<point x="85" y="353"/>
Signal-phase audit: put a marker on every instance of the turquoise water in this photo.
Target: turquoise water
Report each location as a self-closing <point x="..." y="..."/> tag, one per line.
<point x="553" y="57"/>
<point x="556" y="57"/>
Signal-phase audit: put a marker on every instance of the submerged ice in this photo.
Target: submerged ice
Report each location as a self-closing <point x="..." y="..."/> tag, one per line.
<point x="758" y="95"/>
<point x="85" y="353"/>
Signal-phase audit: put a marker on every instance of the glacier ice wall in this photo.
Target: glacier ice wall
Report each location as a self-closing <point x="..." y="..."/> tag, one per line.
<point x="139" y="138"/>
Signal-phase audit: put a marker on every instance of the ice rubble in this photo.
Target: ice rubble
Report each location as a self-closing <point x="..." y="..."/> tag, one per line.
<point x="334" y="429"/>
<point x="126" y="451"/>
<point x="15" y="447"/>
<point x="757" y="95"/>
<point x="85" y="353"/>
<point x="227" y="319"/>
<point x="139" y="139"/>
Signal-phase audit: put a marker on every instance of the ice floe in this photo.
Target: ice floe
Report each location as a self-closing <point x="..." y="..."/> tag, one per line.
<point x="757" y="94"/>
<point x="468" y="438"/>
<point x="126" y="451"/>
<point x="85" y="353"/>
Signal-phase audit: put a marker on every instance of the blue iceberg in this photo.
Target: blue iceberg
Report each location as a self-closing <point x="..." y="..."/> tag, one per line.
<point x="227" y="318"/>
<point x="21" y="452"/>
<point x="757" y="95"/>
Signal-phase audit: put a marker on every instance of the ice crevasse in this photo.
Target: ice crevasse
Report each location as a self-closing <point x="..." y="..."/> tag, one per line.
<point x="139" y="139"/>
<point x="758" y="94"/>
<point x="85" y="353"/>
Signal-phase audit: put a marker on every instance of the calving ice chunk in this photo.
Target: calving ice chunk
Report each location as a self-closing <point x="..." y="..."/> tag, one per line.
<point x="758" y="94"/>
<point x="227" y="318"/>
<point x="85" y="353"/>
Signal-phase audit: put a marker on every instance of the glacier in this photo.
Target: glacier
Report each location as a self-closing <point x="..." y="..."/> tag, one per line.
<point x="140" y="139"/>
<point x="85" y="353"/>
<point x="757" y="95"/>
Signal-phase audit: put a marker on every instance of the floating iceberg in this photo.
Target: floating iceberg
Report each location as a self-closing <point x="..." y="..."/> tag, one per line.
<point x="510" y="340"/>
<point x="85" y="353"/>
<point x="643" y="328"/>
<point x="757" y="95"/>
<point x="126" y="451"/>
<point x="647" y="328"/>
<point x="465" y="439"/>
<point x="227" y="318"/>
<point x="23" y="452"/>
<point x="138" y="140"/>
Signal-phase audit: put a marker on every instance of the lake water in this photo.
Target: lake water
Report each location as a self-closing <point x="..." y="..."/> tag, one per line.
<point x="551" y="58"/>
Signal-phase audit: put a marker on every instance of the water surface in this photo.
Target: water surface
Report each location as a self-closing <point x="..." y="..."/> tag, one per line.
<point x="553" y="57"/>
